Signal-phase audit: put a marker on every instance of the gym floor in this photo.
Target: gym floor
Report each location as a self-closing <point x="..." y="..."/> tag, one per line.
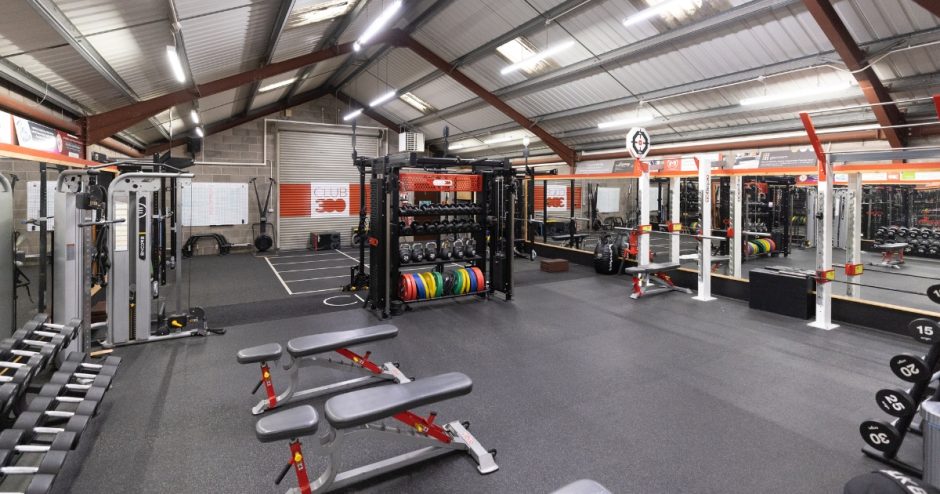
<point x="571" y="379"/>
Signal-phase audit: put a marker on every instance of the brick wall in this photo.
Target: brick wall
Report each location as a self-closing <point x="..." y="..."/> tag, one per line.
<point x="235" y="155"/>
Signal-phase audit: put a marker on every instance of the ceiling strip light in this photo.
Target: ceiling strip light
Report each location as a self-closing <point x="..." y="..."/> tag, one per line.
<point x="194" y="116"/>
<point x="275" y="85"/>
<point x="351" y="115"/>
<point x="385" y="97"/>
<point x="200" y="132"/>
<point x="377" y="24"/>
<point x="175" y="64"/>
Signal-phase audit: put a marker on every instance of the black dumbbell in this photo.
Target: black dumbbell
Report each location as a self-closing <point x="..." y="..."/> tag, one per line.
<point x="475" y="227"/>
<point x="417" y="228"/>
<point x="910" y="368"/>
<point x="432" y="227"/>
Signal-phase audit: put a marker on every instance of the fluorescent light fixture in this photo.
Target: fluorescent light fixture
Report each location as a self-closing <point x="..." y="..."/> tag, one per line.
<point x="525" y="141"/>
<point x="417" y="103"/>
<point x="275" y="85"/>
<point x="319" y="12"/>
<point x="626" y="122"/>
<point x="660" y="9"/>
<point x="796" y="95"/>
<point x="200" y="132"/>
<point x="194" y="116"/>
<point x="175" y="64"/>
<point x="351" y="115"/>
<point x="377" y="24"/>
<point x="385" y="97"/>
<point x="538" y="57"/>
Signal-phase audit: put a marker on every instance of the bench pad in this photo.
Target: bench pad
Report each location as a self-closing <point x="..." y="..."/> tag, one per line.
<point x="287" y="424"/>
<point x="582" y="486"/>
<point x="656" y="267"/>
<point x="369" y="405"/>
<point x="327" y="342"/>
<point x="260" y="353"/>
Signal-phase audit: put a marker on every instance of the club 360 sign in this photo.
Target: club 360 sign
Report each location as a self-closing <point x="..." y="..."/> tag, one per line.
<point x="329" y="199"/>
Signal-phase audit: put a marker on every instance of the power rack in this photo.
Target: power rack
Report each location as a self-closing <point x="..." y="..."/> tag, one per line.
<point x="484" y="217"/>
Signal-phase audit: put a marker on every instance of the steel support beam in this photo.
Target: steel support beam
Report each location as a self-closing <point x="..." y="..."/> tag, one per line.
<point x="640" y="50"/>
<point x="71" y="34"/>
<point x="932" y="6"/>
<point x="105" y="124"/>
<point x="279" y="22"/>
<point x="875" y="92"/>
<point x="566" y="153"/>
<point x="329" y="40"/>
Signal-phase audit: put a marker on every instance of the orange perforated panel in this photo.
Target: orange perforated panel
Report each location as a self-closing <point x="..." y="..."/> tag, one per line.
<point x="440" y="182"/>
<point x="295" y="200"/>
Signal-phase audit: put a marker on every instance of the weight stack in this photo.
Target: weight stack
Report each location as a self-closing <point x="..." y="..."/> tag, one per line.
<point x="930" y="411"/>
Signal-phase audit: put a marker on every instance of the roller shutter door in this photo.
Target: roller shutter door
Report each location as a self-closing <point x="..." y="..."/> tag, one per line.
<point x="306" y="158"/>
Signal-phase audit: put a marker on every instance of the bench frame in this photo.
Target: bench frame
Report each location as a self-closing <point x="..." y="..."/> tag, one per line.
<point x="437" y="440"/>
<point x="653" y="284"/>
<point x="360" y="364"/>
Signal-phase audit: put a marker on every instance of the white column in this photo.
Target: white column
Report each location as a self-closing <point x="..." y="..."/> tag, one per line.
<point x="853" y="245"/>
<point x="824" y="250"/>
<point x="705" y="255"/>
<point x="675" y="216"/>
<point x="737" y="197"/>
<point x="643" y="189"/>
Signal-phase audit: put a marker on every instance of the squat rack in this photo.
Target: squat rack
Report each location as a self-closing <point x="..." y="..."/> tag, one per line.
<point x="854" y="164"/>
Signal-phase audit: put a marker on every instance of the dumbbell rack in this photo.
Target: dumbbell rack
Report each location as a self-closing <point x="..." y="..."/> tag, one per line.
<point x="492" y="185"/>
<point x="884" y="439"/>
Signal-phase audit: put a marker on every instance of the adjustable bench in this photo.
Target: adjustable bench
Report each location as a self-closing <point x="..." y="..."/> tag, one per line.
<point x="583" y="486"/>
<point x="359" y="411"/>
<point x="652" y="279"/>
<point x="892" y="255"/>
<point x="303" y="351"/>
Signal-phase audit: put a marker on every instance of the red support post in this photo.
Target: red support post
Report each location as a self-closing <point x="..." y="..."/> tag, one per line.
<point x="362" y="361"/>
<point x="424" y="426"/>
<point x="268" y="385"/>
<point x="936" y="104"/>
<point x="817" y="146"/>
<point x="300" y="468"/>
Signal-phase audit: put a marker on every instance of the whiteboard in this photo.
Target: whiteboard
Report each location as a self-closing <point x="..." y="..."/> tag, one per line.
<point x="608" y="199"/>
<point x="211" y="204"/>
<point x="32" y="204"/>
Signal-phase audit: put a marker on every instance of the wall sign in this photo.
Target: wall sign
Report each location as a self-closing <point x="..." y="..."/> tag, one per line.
<point x="556" y="197"/>
<point x="328" y="200"/>
<point x="37" y="136"/>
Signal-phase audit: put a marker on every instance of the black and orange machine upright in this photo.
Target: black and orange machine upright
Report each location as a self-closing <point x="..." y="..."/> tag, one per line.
<point x="458" y="243"/>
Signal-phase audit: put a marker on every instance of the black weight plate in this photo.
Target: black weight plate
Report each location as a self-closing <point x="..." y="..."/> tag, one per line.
<point x="934" y="293"/>
<point x="909" y="368"/>
<point x="924" y="330"/>
<point x="263" y="242"/>
<point x="895" y="402"/>
<point x="878" y="435"/>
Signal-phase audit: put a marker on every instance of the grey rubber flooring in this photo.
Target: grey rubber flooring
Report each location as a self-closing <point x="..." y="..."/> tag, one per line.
<point x="571" y="379"/>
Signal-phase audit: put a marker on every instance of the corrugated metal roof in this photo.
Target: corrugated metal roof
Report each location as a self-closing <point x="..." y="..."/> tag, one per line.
<point x="592" y="89"/>
<point x="229" y="42"/>
<point x="99" y="16"/>
<point x="479" y="119"/>
<point x="868" y="20"/>
<point x="64" y="70"/>
<point x="125" y="48"/>
<point x="463" y="26"/>
<point x="268" y="97"/>
<point x="443" y="92"/>
<point x="301" y="40"/>
<point x="23" y="30"/>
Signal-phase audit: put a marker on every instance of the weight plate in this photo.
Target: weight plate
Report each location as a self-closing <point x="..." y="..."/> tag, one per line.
<point x="465" y="276"/>
<point x="457" y="283"/>
<point x="403" y="287"/>
<point x="895" y="402"/>
<point x="419" y="284"/>
<point x="934" y="293"/>
<point x="924" y="330"/>
<point x="879" y="435"/>
<point x="412" y="288"/>
<point x="438" y="284"/>
<point x="429" y="284"/>
<point x="448" y="283"/>
<point x="909" y="368"/>
<point x="473" y="282"/>
<point x="481" y="282"/>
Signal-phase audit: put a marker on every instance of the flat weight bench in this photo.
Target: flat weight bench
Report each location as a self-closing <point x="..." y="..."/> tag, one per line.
<point x="892" y="255"/>
<point x="303" y="351"/>
<point x="361" y="411"/>
<point x="652" y="279"/>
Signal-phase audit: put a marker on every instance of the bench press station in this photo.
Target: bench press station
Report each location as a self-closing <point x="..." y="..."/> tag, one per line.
<point x="363" y="410"/>
<point x="307" y="350"/>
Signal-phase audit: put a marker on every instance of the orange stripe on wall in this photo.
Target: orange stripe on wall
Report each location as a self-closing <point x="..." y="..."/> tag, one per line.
<point x="294" y="200"/>
<point x="354" y="199"/>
